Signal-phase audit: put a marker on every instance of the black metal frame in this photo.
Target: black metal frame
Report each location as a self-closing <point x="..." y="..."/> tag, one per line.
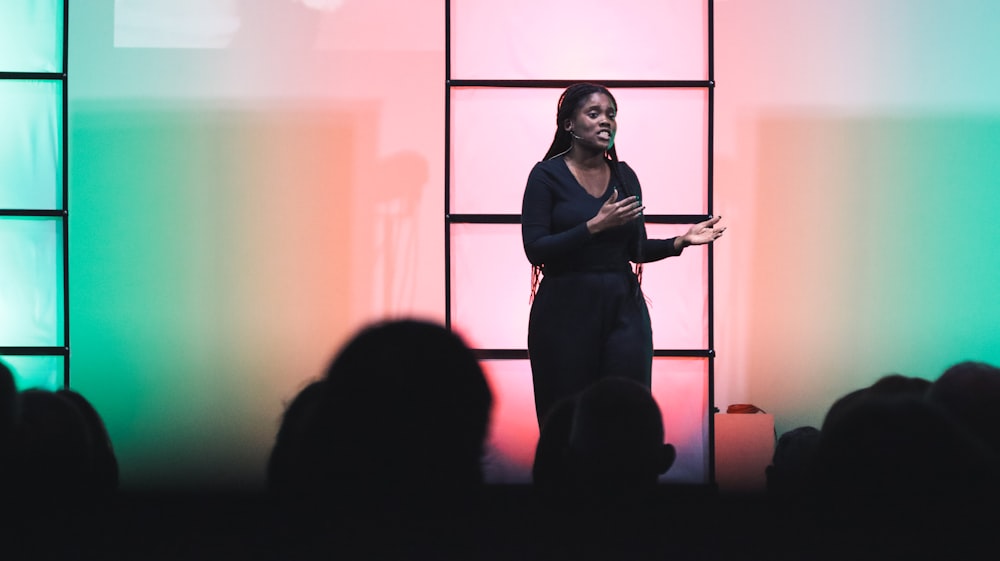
<point x="62" y="213"/>
<point x="450" y="219"/>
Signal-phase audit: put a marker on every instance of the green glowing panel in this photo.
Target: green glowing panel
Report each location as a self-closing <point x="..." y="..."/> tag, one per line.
<point x="44" y="372"/>
<point x="31" y="157"/>
<point x="31" y="282"/>
<point x="31" y="35"/>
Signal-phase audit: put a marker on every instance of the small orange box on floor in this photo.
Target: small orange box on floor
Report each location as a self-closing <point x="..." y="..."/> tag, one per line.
<point x="744" y="447"/>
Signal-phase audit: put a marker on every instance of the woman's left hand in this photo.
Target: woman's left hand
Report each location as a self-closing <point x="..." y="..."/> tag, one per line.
<point x="704" y="232"/>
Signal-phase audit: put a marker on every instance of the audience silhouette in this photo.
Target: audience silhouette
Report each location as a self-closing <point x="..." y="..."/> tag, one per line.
<point x="103" y="482"/>
<point x="8" y="411"/>
<point x="969" y="392"/>
<point x="612" y="451"/>
<point x="892" y="475"/>
<point x="381" y="458"/>
<point x="299" y="415"/>
<point x="392" y="437"/>
<point x="58" y="468"/>
<point x="789" y="476"/>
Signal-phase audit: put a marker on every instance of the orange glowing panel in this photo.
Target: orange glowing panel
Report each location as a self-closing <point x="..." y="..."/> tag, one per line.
<point x="510" y="449"/>
<point x="680" y="388"/>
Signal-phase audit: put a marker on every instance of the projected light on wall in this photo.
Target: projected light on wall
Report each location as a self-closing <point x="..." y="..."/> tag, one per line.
<point x="188" y="24"/>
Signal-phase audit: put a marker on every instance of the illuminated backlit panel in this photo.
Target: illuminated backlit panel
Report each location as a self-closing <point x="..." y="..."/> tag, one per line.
<point x="31" y="34"/>
<point x="491" y="283"/>
<point x="44" y="372"/>
<point x="680" y="388"/>
<point x="510" y="450"/>
<point x="628" y="39"/>
<point x="31" y="290"/>
<point x="676" y="292"/>
<point x="662" y="135"/>
<point x="30" y="144"/>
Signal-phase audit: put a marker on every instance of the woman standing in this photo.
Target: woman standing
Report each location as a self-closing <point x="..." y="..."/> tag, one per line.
<point x="582" y="228"/>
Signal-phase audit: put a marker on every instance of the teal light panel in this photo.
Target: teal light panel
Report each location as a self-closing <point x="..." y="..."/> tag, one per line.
<point x="31" y="35"/>
<point x="31" y="144"/>
<point x="31" y="282"/>
<point x="44" y="372"/>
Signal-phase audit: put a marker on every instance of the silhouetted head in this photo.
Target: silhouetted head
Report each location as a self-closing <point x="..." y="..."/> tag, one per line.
<point x="52" y="455"/>
<point x="8" y="405"/>
<point x="969" y="392"/>
<point x="299" y="415"/>
<point x="402" y="416"/>
<point x="616" y="442"/>
<point x="891" y="456"/>
<point x="888" y="386"/>
<point x="898" y="384"/>
<point x="789" y="476"/>
<point x="105" y="467"/>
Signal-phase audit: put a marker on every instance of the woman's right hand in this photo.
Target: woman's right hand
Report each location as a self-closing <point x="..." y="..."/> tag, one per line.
<point x="614" y="213"/>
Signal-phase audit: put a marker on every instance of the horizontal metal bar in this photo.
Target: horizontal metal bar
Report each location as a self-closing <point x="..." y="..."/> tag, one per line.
<point x="501" y="354"/>
<point x="32" y="76"/>
<point x="32" y="212"/>
<point x="566" y="83"/>
<point x="34" y="351"/>
<point x="685" y="353"/>
<point x="522" y="354"/>
<point x="484" y="218"/>
<point x="516" y="218"/>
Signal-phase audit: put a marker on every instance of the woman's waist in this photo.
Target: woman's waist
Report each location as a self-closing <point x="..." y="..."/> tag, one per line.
<point x="561" y="269"/>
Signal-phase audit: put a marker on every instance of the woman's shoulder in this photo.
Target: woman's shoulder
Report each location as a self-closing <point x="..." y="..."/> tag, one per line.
<point x="551" y="168"/>
<point x="554" y="164"/>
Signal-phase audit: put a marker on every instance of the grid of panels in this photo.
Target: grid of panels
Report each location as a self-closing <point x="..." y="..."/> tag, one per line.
<point x="34" y="325"/>
<point x="493" y="108"/>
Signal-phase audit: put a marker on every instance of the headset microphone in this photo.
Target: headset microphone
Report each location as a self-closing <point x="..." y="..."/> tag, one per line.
<point x="576" y="136"/>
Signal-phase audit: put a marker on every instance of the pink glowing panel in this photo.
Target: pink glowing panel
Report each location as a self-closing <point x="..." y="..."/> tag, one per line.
<point x="490" y="285"/>
<point x="491" y="280"/>
<point x="498" y="134"/>
<point x="514" y="426"/>
<point x="680" y="387"/>
<point x="676" y="292"/>
<point x="591" y="39"/>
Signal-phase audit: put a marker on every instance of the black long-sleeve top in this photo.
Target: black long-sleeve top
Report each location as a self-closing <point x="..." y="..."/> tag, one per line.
<point x="554" y="214"/>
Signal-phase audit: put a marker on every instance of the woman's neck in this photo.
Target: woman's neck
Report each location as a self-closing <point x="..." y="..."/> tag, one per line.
<point x="585" y="159"/>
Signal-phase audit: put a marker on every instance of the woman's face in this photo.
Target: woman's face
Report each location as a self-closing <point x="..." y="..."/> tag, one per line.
<point x="593" y="123"/>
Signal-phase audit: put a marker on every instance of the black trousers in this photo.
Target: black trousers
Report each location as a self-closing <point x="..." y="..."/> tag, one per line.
<point x="584" y="327"/>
